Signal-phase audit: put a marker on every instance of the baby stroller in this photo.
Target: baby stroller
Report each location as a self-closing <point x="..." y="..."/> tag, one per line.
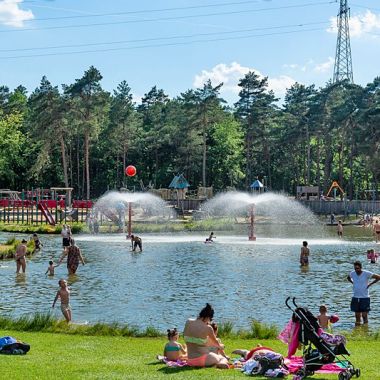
<point x="316" y="352"/>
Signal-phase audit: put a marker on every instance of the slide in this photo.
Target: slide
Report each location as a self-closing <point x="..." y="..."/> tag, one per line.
<point x="46" y="213"/>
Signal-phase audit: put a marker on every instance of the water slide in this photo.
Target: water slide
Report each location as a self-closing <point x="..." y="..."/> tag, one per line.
<point x="46" y="213"/>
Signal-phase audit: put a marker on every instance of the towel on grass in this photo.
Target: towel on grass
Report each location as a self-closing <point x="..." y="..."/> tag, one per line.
<point x="294" y="363"/>
<point x="171" y="363"/>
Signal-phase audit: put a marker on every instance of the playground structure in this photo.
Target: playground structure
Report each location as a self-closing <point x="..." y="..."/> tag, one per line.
<point x="38" y="206"/>
<point x="333" y="188"/>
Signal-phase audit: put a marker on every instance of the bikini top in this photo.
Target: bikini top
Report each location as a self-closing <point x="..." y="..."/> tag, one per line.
<point x="172" y="348"/>
<point x="195" y="340"/>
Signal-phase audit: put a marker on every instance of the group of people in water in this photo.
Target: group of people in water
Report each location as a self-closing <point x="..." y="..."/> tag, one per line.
<point x="360" y="279"/>
<point x="71" y="253"/>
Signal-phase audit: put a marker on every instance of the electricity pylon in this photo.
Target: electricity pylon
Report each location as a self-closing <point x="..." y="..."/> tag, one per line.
<point x="343" y="59"/>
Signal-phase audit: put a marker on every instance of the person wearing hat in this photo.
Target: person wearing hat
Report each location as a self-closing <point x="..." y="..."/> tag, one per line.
<point x="20" y="256"/>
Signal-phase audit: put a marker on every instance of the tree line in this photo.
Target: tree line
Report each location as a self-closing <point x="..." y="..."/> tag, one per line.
<point x="82" y="136"/>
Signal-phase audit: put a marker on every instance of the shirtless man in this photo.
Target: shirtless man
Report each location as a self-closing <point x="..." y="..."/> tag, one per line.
<point x="339" y="229"/>
<point x="64" y="294"/>
<point x="376" y="230"/>
<point x="136" y="242"/>
<point x="20" y="256"/>
<point x="305" y="253"/>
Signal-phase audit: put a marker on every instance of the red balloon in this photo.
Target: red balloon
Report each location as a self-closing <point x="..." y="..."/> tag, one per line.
<point x="130" y="171"/>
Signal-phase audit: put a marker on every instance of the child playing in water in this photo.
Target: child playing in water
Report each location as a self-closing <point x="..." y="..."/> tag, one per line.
<point x="217" y="350"/>
<point x="372" y="256"/>
<point x="305" y="253"/>
<point x="324" y="319"/>
<point x="174" y="350"/>
<point x="50" y="269"/>
<point x="64" y="294"/>
<point x="37" y="243"/>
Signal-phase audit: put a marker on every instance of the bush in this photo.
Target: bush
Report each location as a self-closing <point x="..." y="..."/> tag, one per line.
<point x="262" y="331"/>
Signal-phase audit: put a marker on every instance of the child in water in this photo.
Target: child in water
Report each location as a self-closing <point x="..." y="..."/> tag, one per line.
<point x="174" y="350"/>
<point x="372" y="256"/>
<point x="37" y="243"/>
<point x="64" y="294"/>
<point x="324" y="319"/>
<point x="50" y="270"/>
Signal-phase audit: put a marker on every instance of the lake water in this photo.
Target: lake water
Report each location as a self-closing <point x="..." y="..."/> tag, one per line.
<point x="177" y="274"/>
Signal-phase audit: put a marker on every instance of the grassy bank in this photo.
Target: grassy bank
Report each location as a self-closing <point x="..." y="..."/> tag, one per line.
<point x="40" y="228"/>
<point x="61" y="356"/>
<point x="8" y="249"/>
<point x="138" y="227"/>
<point x="45" y="322"/>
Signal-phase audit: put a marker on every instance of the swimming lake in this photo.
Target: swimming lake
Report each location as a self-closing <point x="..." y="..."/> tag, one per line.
<point x="177" y="274"/>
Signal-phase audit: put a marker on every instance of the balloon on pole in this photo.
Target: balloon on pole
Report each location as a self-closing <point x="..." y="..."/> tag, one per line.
<point x="130" y="171"/>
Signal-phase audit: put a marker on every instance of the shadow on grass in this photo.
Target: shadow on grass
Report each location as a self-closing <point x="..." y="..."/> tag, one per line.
<point x="172" y="370"/>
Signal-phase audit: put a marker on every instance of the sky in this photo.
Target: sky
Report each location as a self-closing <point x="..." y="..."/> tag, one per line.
<point x="179" y="44"/>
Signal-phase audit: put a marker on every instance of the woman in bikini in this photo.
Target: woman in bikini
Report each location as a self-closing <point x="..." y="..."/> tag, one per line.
<point x="199" y="335"/>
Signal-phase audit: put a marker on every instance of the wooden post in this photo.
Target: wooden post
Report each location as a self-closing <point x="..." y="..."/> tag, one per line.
<point x="129" y="220"/>
<point x="252" y="236"/>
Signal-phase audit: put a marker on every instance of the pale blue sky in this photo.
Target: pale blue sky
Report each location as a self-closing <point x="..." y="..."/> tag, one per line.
<point x="177" y="44"/>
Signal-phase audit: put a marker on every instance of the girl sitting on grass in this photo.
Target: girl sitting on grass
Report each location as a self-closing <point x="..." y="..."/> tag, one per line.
<point x="174" y="350"/>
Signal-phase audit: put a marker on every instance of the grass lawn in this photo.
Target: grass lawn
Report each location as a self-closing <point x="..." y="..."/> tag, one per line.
<point x="61" y="356"/>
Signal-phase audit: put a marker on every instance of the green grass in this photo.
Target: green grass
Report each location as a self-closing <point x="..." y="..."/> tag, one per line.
<point x="40" y="228"/>
<point x="71" y="357"/>
<point x="8" y="249"/>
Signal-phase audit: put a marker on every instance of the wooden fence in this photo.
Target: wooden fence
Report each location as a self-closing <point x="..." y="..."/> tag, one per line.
<point x="342" y="207"/>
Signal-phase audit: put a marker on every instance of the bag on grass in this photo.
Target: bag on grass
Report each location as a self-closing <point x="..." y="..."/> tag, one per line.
<point x="12" y="346"/>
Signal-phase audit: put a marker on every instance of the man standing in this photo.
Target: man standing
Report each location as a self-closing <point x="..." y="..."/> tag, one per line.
<point x="376" y="230"/>
<point x="20" y="256"/>
<point x="360" y="303"/>
<point x="339" y="229"/>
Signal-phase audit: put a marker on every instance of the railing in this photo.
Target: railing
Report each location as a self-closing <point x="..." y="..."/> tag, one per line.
<point x="342" y="207"/>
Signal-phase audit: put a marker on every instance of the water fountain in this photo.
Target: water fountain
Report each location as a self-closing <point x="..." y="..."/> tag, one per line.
<point x="271" y="208"/>
<point x="146" y="206"/>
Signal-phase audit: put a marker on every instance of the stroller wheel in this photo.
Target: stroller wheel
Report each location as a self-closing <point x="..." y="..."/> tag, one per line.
<point x="301" y="373"/>
<point x="344" y="376"/>
<point x="357" y="372"/>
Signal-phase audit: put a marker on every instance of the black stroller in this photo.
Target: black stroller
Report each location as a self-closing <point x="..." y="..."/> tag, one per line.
<point x="316" y="352"/>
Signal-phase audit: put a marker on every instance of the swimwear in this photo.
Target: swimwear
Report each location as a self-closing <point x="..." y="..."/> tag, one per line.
<point x="304" y="260"/>
<point x="197" y="362"/>
<point x="360" y="305"/>
<point x="172" y="348"/>
<point x="195" y="340"/>
<point x="66" y="242"/>
<point x="65" y="307"/>
<point x="73" y="258"/>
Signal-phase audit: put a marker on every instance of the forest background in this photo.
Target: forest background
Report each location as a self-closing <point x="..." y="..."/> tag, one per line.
<point x="82" y="136"/>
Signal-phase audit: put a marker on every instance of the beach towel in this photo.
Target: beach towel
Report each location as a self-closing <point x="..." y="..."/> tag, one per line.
<point x="171" y="363"/>
<point x="294" y="363"/>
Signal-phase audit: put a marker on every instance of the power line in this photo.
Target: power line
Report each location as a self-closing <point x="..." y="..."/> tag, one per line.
<point x="165" y="38"/>
<point x="157" y="10"/>
<point x="364" y="7"/>
<point x="171" y="18"/>
<point x="162" y="45"/>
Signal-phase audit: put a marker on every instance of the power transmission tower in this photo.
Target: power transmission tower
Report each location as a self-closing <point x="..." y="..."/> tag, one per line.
<point x="343" y="59"/>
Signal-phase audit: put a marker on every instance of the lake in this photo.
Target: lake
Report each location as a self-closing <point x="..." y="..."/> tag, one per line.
<point x="177" y="274"/>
